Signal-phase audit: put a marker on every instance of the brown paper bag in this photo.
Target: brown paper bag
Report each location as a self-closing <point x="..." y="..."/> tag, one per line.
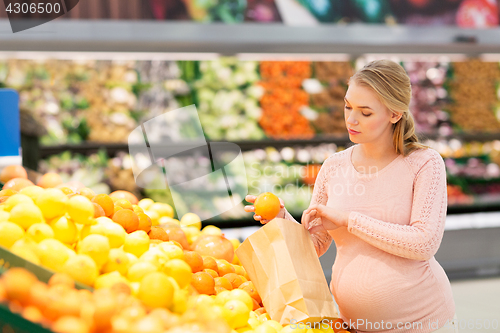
<point x="281" y="261"/>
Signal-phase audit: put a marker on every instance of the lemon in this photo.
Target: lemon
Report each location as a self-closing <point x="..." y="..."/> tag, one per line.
<point x="145" y="203"/>
<point x="131" y="259"/>
<point x="245" y="329"/>
<point x="192" y="233"/>
<point x="40" y="231"/>
<point x="91" y="229"/>
<point x="104" y="219"/>
<point x="53" y="254"/>
<point x="156" y="290"/>
<point x="82" y="268"/>
<point x="238" y="314"/>
<point x="191" y="219"/>
<point x="117" y="261"/>
<point x="171" y="250"/>
<point x="265" y="329"/>
<point x="32" y="191"/>
<point x="180" y="301"/>
<point x="115" y="234"/>
<point x="136" y="242"/>
<point x="154" y="216"/>
<point x="52" y="202"/>
<point x="139" y="270"/>
<point x="243" y="296"/>
<point x="162" y="209"/>
<point x="64" y="230"/>
<point x="25" y="215"/>
<point x="264" y="317"/>
<point x="96" y="247"/>
<point x="108" y="280"/>
<point x="253" y="323"/>
<point x="27" y="243"/>
<point x="180" y="271"/>
<point x="25" y="253"/>
<point x="4" y="216"/>
<point x="155" y="256"/>
<point x="81" y="209"/>
<point x="15" y="200"/>
<point x="274" y="324"/>
<point x="211" y="230"/>
<point x="10" y="233"/>
<point x="135" y="288"/>
<point x="168" y="220"/>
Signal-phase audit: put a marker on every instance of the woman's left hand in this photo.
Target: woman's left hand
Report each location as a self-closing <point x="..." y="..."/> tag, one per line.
<point x="333" y="218"/>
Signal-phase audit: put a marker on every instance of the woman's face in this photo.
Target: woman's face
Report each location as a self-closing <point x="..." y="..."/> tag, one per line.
<point x="366" y="114"/>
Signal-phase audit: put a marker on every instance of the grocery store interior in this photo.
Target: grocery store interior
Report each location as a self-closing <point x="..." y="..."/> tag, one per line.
<point x="84" y="97"/>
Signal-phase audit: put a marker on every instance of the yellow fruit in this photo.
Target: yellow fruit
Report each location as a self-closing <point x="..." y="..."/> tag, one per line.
<point x="117" y="261"/>
<point x="154" y="216"/>
<point x="81" y="209"/>
<point x="238" y="314"/>
<point x="156" y="290"/>
<point x="245" y="329"/>
<point x="180" y="301"/>
<point x="25" y="253"/>
<point x="243" y="296"/>
<point x="135" y="288"/>
<point x="40" y="231"/>
<point x="171" y="250"/>
<point x="155" y="256"/>
<point x="139" y="270"/>
<point x="192" y="233"/>
<point x="145" y="203"/>
<point x="4" y="216"/>
<point x="25" y="215"/>
<point x="168" y="220"/>
<point x="136" y="242"/>
<point x="10" y="233"/>
<point x="162" y="209"/>
<point x="264" y="317"/>
<point x="211" y="230"/>
<point x="82" y="268"/>
<point x="96" y="247"/>
<point x="52" y="202"/>
<point x="253" y="323"/>
<point x="107" y="280"/>
<point x="15" y="200"/>
<point x="32" y="191"/>
<point x="179" y="270"/>
<point x="64" y="230"/>
<point x="26" y="243"/>
<point x="274" y="324"/>
<point x="93" y="229"/>
<point x="294" y="328"/>
<point x="191" y="219"/>
<point x="53" y="254"/>
<point x="222" y="297"/>
<point x="236" y="243"/>
<point x="115" y="233"/>
<point x="264" y="329"/>
<point x="131" y="259"/>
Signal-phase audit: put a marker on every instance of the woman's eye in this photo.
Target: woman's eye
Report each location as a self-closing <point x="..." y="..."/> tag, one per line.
<point x="347" y="108"/>
<point x="367" y="115"/>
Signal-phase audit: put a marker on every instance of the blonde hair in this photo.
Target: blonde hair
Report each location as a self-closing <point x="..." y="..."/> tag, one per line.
<point x="392" y="85"/>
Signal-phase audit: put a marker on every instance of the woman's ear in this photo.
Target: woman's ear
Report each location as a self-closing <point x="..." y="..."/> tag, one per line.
<point x="395" y="117"/>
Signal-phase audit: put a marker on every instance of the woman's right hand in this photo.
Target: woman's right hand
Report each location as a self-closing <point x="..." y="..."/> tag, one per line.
<point x="250" y="209"/>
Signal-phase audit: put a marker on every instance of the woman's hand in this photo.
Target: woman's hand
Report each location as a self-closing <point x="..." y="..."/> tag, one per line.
<point x="332" y="218"/>
<point x="251" y="198"/>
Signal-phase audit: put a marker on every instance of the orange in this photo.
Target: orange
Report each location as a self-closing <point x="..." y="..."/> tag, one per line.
<point x="267" y="205"/>
<point x="106" y="204"/>
<point x="337" y="324"/>
<point x="86" y="192"/>
<point x="250" y="289"/>
<point x="219" y="289"/>
<point x="124" y="203"/>
<point x="194" y="260"/>
<point x="125" y="195"/>
<point x="175" y="233"/>
<point x="137" y="209"/>
<point x="209" y="262"/>
<point x="224" y="267"/>
<point x="158" y="233"/>
<point x="98" y="211"/>
<point x="70" y="324"/>
<point x="17" y="184"/>
<point x="211" y="272"/>
<point x="255" y="304"/>
<point x="127" y="219"/>
<point x="239" y="270"/>
<point x="144" y="221"/>
<point x="223" y="282"/>
<point x="260" y="311"/>
<point x="234" y="279"/>
<point x="50" y="180"/>
<point x="115" y="209"/>
<point x="12" y="171"/>
<point x="203" y="282"/>
<point x="32" y="314"/>
<point x="66" y="190"/>
<point x="17" y="283"/>
<point x="61" y="278"/>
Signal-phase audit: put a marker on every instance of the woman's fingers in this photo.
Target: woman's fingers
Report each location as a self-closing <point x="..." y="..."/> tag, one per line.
<point x="282" y="203"/>
<point x="249" y="209"/>
<point x="250" y="198"/>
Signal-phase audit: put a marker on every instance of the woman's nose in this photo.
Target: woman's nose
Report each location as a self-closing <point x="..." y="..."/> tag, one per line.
<point x="351" y="119"/>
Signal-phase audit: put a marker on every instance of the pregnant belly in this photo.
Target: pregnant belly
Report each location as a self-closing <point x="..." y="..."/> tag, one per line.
<point x="384" y="288"/>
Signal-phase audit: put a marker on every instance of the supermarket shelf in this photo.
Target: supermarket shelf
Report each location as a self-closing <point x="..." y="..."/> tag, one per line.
<point x="154" y="36"/>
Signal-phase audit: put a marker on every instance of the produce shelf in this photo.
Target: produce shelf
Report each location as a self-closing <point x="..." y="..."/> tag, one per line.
<point x="12" y="322"/>
<point x="136" y="36"/>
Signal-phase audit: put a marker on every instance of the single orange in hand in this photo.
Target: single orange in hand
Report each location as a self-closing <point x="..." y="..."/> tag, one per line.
<point x="127" y="219"/>
<point x="106" y="204"/>
<point x="194" y="260"/>
<point x="267" y="205"/>
<point x="203" y="282"/>
<point x="144" y="222"/>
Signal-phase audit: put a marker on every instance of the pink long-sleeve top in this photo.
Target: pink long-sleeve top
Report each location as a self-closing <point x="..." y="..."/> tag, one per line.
<point x="385" y="275"/>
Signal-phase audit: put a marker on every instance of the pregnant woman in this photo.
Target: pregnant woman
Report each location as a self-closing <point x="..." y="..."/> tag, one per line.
<point x="383" y="202"/>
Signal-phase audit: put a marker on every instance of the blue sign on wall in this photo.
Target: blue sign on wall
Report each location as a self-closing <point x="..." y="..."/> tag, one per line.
<point x="10" y="131"/>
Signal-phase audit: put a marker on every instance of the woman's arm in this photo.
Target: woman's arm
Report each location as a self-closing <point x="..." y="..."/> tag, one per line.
<point x="421" y="239"/>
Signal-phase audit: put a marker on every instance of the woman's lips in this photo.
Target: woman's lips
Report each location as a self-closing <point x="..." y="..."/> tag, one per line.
<point x="352" y="132"/>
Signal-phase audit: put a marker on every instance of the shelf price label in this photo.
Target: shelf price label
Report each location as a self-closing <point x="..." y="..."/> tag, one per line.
<point x="10" y="132"/>
<point x="27" y="14"/>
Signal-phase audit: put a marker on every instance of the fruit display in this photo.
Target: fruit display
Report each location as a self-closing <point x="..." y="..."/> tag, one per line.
<point x="228" y="99"/>
<point x="474" y="95"/>
<point x="282" y="81"/>
<point x="327" y="96"/>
